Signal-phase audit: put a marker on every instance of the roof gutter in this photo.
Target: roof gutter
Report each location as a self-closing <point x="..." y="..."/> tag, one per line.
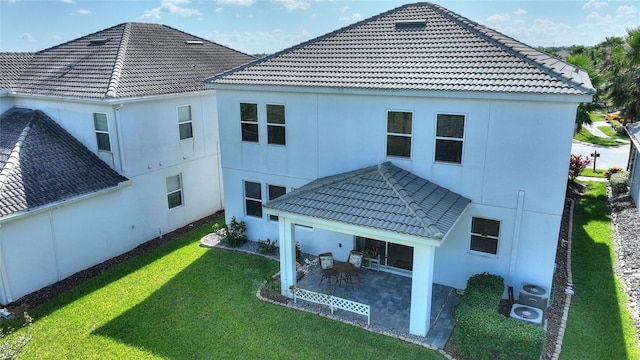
<point x="57" y="204"/>
<point x="114" y="101"/>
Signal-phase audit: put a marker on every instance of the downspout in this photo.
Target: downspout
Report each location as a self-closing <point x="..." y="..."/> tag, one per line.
<point x="123" y="169"/>
<point x="516" y="238"/>
<point x="3" y="272"/>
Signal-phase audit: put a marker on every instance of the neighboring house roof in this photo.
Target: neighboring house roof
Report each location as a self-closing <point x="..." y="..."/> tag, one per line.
<point x="127" y="60"/>
<point x="633" y="130"/>
<point x="419" y="46"/>
<point x="384" y="197"/>
<point x="12" y="64"/>
<point x="40" y="163"/>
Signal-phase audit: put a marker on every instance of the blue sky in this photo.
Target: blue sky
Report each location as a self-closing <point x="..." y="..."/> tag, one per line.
<point x="267" y="26"/>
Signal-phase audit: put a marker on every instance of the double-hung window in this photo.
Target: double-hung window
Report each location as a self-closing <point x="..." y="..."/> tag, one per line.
<point x="399" y="125"/>
<point x="449" y="138"/>
<point x="485" y="234"/>
<point x="249" y="121"/>
<point x="101" y="125"/>
<point x="174" y="191"/>
<point x="185" y="124"/>
<point x="253" y="198"/>
<point x="275" y="192"/>
<point x="276" y="133"/>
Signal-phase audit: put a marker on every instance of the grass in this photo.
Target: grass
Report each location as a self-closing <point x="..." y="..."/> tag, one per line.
<point x="182" y="301"/>
<point x="585" y="136"/>
<point x="597" y="173"/>
<point x="596" y="116"/>
<point x="607" y="130"/>
<point x="599" y="324"/>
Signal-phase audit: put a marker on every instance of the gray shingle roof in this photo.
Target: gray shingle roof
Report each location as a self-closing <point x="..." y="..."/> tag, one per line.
<point x="127" y="60"/>
<point x="383" y="197"/>
<point x="40" y="163"/>
<point x="388" y="52"/>
<point x="12" y="64"/>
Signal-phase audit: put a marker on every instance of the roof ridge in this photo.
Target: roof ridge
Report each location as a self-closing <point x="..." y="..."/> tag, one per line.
<point x="410" y="203"/>
<point x="112" y="89"/>
<point x="491" y="36"/>
<point x="14" y="157"/>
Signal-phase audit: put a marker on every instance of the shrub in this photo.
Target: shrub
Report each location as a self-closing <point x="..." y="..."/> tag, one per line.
<point x="619" y="128"/>
<point x="577" y="163"/>
<point x="612" y="170"/>
<point x="619" y="182"/>
<point x="235" y="233"/>
<point x="267" y="246"/>
<point x="482" y="333"/>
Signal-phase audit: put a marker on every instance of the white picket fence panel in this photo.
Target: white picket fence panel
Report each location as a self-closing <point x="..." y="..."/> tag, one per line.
<point x="333" y="302"/>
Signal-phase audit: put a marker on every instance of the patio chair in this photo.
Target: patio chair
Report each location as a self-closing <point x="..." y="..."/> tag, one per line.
<point x="355" y="258"/>
<point x="326" y="265"/>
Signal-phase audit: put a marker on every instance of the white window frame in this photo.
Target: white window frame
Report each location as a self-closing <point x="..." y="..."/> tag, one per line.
<point x="174" y="191"/>
<point x="184" y="122"/>
<point x="255" y="123"/>
<point x="256" y="200"/>
<point x="104" y="132"/>
<point x="447" y="138"/>
<point x="276" y="125"/>
<point x="388" y="133"/>
<point x="269" y="198"/>
<point x="487" y="236"/>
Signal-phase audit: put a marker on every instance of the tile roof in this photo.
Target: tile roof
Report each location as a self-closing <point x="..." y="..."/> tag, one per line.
<point x="40" y="163"/>
<point x="384" y="197"/>
<point x="633" y="130"/>
<point x="127" y="60"/>
<point x="397" y="51"/>
<point x="12" y="64"/>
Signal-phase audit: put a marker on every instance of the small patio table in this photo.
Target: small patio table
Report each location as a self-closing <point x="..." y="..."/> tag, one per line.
<point x="344" y="271"/>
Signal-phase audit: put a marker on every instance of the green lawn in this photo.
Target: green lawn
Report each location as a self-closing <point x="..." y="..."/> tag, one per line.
<point x="599" y="324"/>
<point x="607" y="130"/>
<point x="596" y="116"/>
<point x="585" y="136"/>
<point x="182" y="301"/>
<point x="598" y="173"/>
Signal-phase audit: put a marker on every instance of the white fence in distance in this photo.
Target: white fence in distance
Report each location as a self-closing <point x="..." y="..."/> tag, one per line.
<point x="333" y="302"/>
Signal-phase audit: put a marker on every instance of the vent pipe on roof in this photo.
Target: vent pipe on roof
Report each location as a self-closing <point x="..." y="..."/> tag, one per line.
<point x="411" y="24"/>
<point x="195" y="42"/>
<point x="98" y="41"/>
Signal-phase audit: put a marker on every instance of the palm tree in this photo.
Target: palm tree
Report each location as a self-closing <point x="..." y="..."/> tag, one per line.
<point x="583" y="60"/>
<point x="622" y="69"/>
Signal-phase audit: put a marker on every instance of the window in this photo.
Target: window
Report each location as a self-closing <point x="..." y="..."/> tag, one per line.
<point x="449" y="138"/>
<point x="484" y="235"/>
<point x="276" y="125"/>
<point x="253" y="198"/>
<point x="249" y="121"/>
<point x="174" y="191"/>
<point x="399" y="133"/>
<point x="102" y="131"/>
<point x="185" y="124"/>
<point x="274" y="193"/>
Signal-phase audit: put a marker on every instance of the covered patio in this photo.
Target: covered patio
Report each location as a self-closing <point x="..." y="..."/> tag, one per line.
<point x="389" y="296"/>
<point x="382" y="202"/>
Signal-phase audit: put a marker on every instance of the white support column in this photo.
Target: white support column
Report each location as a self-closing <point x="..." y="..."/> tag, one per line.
<point x="421" y="289"/>
<point x="287" y="245"/>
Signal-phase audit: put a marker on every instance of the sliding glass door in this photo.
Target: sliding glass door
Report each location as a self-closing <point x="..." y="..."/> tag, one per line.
<point x="391" y="255"/>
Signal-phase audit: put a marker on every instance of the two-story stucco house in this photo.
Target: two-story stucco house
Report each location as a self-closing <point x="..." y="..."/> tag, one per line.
<point x="133" y="95"/>
<point x="441" y="141"/>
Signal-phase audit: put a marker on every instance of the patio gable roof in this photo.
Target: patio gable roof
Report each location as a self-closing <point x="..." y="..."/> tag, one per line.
<point x="383" y="197"/>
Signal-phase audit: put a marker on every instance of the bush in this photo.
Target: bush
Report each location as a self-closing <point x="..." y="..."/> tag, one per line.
<point x="235" y="233"/>
<point x="612" y="170"/>
<point x="482" y="333"/>
<point x="267" y="246"/>
<point x="619" y="182"/>
<point x="577" y="163"/>
<point x="619" y="128"/>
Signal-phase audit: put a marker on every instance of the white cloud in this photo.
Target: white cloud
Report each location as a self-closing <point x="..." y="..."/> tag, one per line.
<point x="627" y="11"/>
<point x="81" y="12"/>
<point x="594" y="4"/>
<point x="519" y="22"/>
<point x="28" y="37"/>
<point x="344" y="9"/>
<point x="498" y="17"/>
<point x="67" y="1"/>
<point x="236" y="2"/>
<point x="169" y="7"/>
<point x="219" y="10"/>
<point x="293" y="4"/>
<point x="354" y="17"/>
<point x="520" y="12"/>
<point x="260" y="41"/>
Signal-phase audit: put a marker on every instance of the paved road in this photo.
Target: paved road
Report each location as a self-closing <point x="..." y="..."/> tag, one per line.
<point x="609" y="156"/>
